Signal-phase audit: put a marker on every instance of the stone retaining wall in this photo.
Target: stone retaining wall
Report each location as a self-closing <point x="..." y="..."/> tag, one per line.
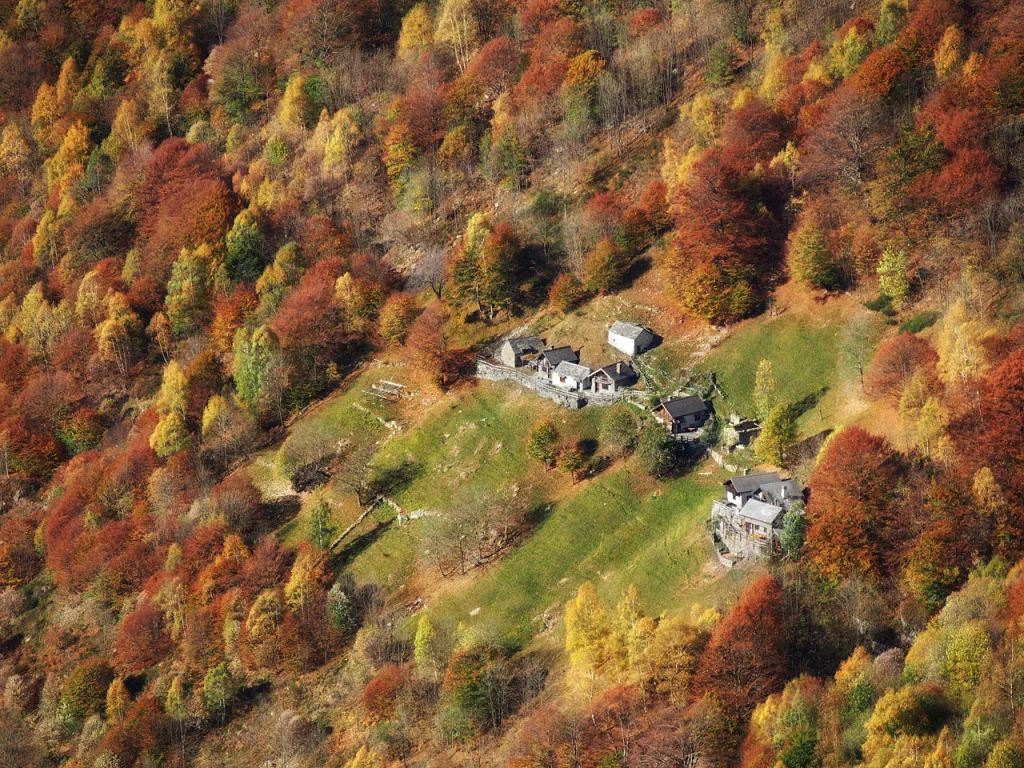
<point x="492" y="372"/>
<point x="485" y="369"/>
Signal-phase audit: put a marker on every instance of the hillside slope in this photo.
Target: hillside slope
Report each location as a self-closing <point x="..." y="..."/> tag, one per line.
<point x="256" y="508"/>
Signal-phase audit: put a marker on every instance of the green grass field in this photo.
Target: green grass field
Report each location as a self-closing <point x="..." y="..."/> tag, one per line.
<point x="350" y="418"/>
<point x="616" y="529"/>
<point x="803" y="353"/>
<point x="614" y="532"/>
<point x="476" y="445"/>
<point x="807" y="363"/>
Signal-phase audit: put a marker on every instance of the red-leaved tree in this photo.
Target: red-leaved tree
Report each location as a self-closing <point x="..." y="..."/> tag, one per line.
<point x="745" y="659"/>
<point x="141" y="640"/>
<point x="854" y="491"/>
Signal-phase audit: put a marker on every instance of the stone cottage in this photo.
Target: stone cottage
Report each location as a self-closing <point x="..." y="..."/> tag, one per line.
<point x="747" y="524"/>
<point x="630" y="338"/>
<point x="612" y="378"/>
<point x="571" y="376"/>
<point x="682" y="414"/>
<point x="515" y="353"/>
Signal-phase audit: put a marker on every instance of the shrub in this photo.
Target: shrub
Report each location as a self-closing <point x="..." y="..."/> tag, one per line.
<point x="606" y="266"/>
<point x="381" y="693"/>
<point x="654" y="450"/>
<point x="811" y="260"/>
<point x="566" y="293"/>
<point x="84" y="693"/>
<point x="881" y="304"/>
<point x="919" y="322"/>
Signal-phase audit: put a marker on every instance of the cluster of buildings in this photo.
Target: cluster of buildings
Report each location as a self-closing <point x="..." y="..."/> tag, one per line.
<point x="560" y="368"/>
<point x="747" y="524"/>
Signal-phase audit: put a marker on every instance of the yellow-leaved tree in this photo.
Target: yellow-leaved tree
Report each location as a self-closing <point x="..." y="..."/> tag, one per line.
<point x="171" y="435"/>
<point x="417" y="31"/>
<point x="458" y="29"/>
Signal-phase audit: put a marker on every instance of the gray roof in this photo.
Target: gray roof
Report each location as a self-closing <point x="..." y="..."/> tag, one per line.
<point x="617" y="374"/>
<point x="678" y="407"/>
<point x="761" y="512"/>
<point x="578" y="372"/>
<point x="751" y="483"/>
<point x="557" y="355"/>
<point x="526" y="344"/>
<point x="782" y="493"/>
<point x="628" y="330"/>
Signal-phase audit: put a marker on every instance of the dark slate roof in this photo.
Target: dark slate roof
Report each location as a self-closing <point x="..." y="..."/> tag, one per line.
<point x="678" y="407"/>
<point x="560" y="354"/>
<point x="751" y="483"/>
<point x="782" y="493"/>
<point x="526" y="344"/>
<point x="628" y="330"/>
<point x="746" y="426"/>
<point x="616" y="375"/>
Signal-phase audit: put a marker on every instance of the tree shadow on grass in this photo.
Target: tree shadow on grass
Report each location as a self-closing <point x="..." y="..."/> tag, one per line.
<point x="807" y="402"/>
<point x="589" y="447"/>
<point x="391" y="480"/>
<point x="539" y="512"/>
<point x="639" y="267"/>
<point x="357" y="546"/>
<point x="273" y="515"/>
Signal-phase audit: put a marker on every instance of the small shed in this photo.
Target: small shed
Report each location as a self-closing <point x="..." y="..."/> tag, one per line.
<point x="682" y="414"/>
<point x="741" y="432"/>
<point x="515" y="353"/>
<point x="630" y="337"/>
<point x="550" y="358"/>
<point x="612" y="378"/>
<point x="570" y="376"/>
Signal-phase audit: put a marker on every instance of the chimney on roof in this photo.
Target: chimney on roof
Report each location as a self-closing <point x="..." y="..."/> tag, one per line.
<point x="618" y="368"/>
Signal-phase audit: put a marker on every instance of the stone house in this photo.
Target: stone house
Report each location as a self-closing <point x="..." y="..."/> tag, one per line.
<point x="515" y="353"/>
<point x="613" y="377"/>
<point x="747" y="524"/>
<point x="571" y="376"/>
<point x="630" y="338"/>
<point x="549" y="359"/>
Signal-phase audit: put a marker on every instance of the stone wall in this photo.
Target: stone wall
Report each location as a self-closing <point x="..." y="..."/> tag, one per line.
<point x="492" y="371"/>
<point x="719" y="459"/>
<point x="739" y="543"/>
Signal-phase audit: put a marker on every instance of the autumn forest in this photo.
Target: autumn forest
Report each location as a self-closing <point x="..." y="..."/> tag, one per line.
<point x="257" y="508"/>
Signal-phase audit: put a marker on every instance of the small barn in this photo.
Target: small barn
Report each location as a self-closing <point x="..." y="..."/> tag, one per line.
<point x="630" y="338"/>
<point x="515" y="353"/>
<point x="549" y="359"/>
<point x="612" y="378"/>
<point x="682" y="414"/>
<point x="570" y="376"/>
